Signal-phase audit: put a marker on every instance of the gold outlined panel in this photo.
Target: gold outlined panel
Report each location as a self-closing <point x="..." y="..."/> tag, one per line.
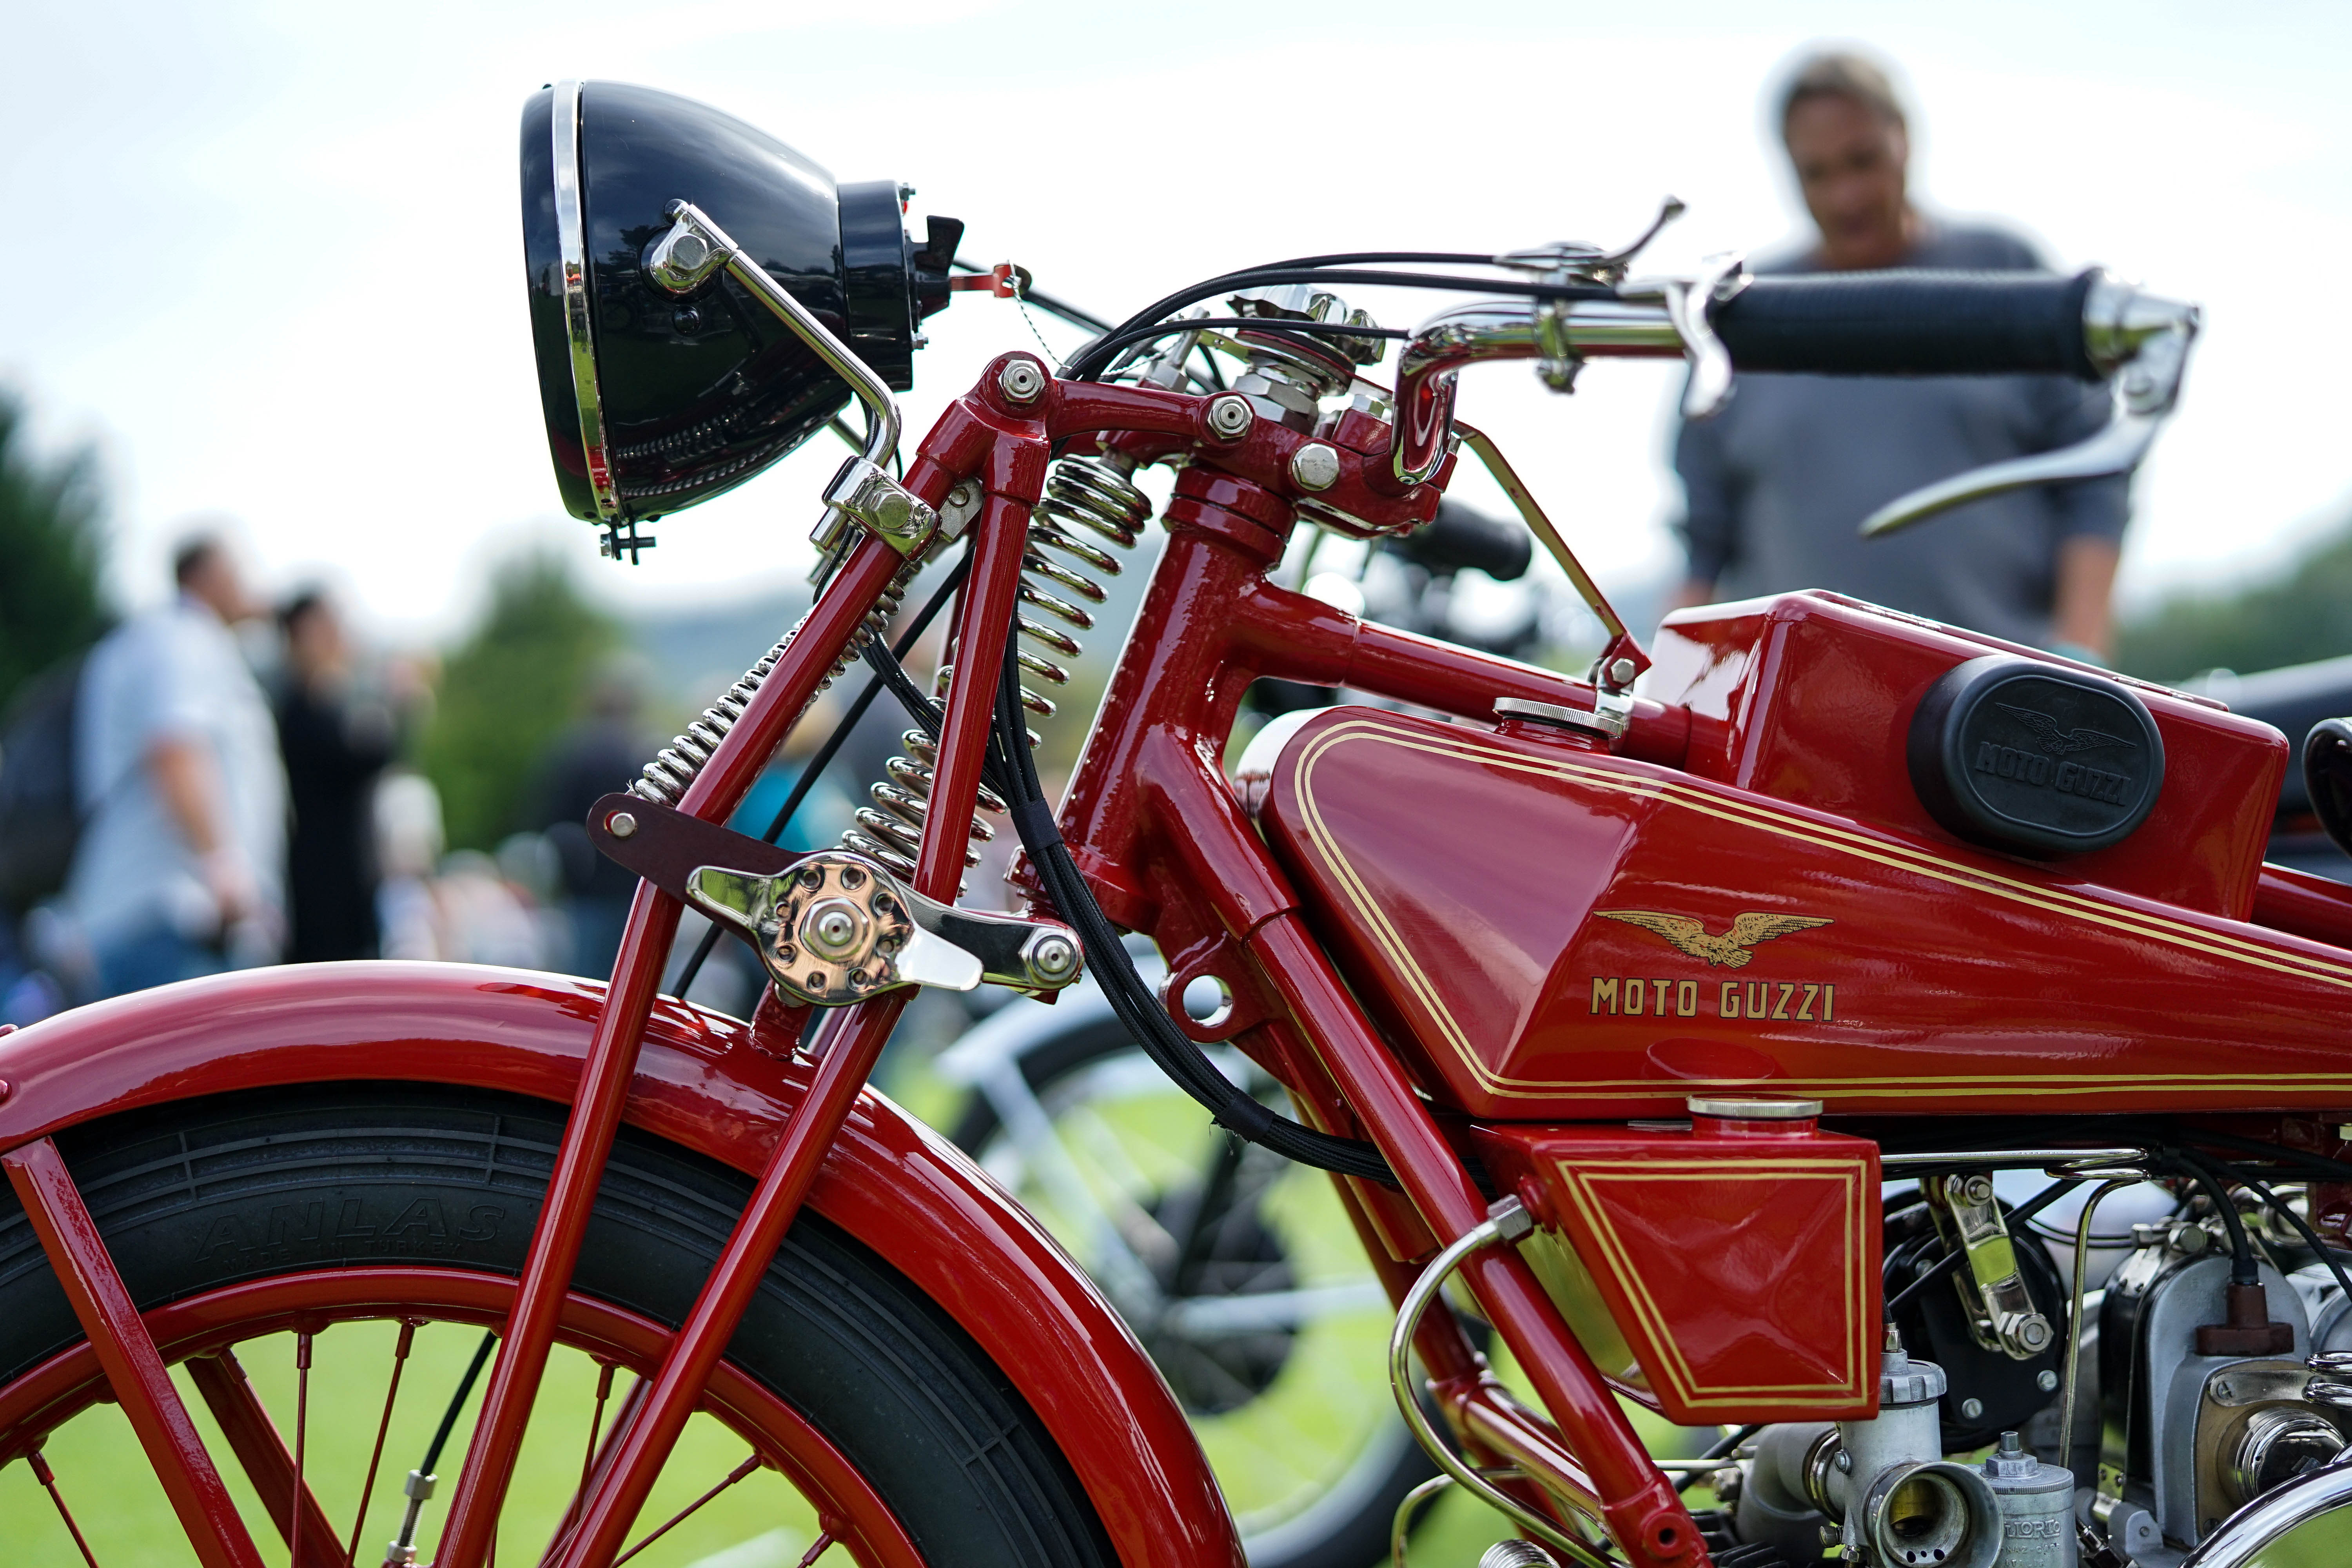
<point x="1747" y="812"/>
<point x="1585" y="1184"/>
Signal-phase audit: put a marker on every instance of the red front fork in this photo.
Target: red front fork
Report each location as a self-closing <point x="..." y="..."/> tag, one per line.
<point x="1009" y="455"/>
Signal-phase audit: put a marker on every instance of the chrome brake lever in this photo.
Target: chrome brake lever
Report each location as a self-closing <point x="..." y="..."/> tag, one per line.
<point x="2142" y="341"/>
<point x="1688" y="301"/>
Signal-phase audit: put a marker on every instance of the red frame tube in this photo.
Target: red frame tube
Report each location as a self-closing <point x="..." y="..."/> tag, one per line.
<point x="985" y="619"/>
<point x="269" y="1464"/>
<point x="611" y="1059"/>
<point x="647" y="1432"/>
<point x="133" y="1367"/>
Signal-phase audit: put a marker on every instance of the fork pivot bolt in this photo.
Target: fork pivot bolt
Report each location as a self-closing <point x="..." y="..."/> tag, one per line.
<point x="1021" y="381"/>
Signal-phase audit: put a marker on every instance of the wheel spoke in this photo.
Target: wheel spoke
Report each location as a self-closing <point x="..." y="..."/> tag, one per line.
<point x="49" y="1479"/>
<point x="599" y="1461"/>
<point x="382" y="1426"/>
<point x="736" y="1473"/>
<point x="596" y="1422"/>
<point x="298" y="1492"/>
<point x="270" y="1467"/>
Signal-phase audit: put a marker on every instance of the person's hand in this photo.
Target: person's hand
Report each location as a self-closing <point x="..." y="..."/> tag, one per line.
<point x="226" y="877"/>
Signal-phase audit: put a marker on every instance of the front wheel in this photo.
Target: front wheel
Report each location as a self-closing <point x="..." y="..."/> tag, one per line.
<point x="386" y="1223"/>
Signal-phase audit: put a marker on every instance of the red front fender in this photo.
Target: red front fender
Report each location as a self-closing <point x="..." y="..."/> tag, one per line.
<point x="888" y="1181"/>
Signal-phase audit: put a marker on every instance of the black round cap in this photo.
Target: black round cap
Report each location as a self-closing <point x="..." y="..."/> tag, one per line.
<point x="2327" y="776"/>
<point x="2033" y="757"/>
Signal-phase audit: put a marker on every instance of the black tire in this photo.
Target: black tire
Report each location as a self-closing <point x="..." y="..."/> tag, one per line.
<point x="1348" y="1529"/>
<point x="203" y="1194"/>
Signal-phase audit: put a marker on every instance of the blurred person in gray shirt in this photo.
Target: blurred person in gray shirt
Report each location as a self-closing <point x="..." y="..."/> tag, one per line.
<point x="1777" y="484"/>
<point x="180" y="869"/>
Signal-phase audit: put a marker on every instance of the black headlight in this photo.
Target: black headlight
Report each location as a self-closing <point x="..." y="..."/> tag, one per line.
<point x="655" y="401"/>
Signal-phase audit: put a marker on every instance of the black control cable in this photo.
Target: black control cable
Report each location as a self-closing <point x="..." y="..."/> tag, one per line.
<point x="1088" y="362"/>
<point x="2208" y="1176"/>
<point x="1723" y="1447"/>
<point x="832" y="747"/>
<point x="1309" y="330"/>
<point x="2285" y="1211"/>
<point x="1176" y="1054"/>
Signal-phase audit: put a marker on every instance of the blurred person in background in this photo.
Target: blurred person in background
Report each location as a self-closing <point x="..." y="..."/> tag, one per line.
<point x="335" y="743"/>
<point x="180" y="869"/>
<point x="597" y="756"/>
<point x="1777" y="484"/>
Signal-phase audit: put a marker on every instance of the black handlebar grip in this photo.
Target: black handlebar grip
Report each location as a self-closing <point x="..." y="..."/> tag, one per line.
<point x="1910" y="323"/>
<point x="1460" y="537"/>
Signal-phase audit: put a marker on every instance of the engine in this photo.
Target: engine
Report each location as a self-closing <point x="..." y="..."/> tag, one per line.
<point x="2201" y="1393"/>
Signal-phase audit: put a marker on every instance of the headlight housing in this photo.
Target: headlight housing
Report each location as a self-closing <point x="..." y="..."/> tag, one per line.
<point x="654" y="402"/>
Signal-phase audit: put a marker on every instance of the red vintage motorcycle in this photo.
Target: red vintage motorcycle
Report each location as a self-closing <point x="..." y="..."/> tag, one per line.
<point x="1614" y="1003"/>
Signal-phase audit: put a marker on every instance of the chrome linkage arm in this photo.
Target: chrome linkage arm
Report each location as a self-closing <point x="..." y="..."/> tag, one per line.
<point x="830" y="928"/>
<point x="2141" y="343"/>
<point x="684" y="257"/>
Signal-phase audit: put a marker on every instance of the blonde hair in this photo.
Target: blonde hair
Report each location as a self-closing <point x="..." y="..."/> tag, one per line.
<point x="1837" y="73"/>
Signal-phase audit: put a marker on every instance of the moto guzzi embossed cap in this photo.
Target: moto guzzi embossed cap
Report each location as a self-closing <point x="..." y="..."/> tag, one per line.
<point x="2034" y="757"/>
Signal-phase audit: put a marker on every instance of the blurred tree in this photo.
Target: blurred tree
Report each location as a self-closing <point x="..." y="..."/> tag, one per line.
<point x="506" y="692"/>
<point x="50" y="605"/>
<point x="2303" y="614"/>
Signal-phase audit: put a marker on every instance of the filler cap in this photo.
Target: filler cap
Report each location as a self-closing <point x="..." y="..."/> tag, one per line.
<point x="2034" y="757"/>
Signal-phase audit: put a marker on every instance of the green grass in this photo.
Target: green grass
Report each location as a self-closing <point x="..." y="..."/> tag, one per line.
<point x="123" y="1513"/>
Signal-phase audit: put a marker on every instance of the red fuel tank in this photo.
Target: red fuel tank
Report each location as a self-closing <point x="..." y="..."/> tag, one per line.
<point x="1548" y="931"/>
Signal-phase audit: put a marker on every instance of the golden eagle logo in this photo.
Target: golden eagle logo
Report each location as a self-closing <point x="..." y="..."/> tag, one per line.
<point x="1730" y="950"/>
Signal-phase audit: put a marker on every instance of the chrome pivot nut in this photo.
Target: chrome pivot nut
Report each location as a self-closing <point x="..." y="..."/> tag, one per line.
<point x="1231" y="415"/>
<point x="1051" y="957"/>
<point x="1021" y="381"/>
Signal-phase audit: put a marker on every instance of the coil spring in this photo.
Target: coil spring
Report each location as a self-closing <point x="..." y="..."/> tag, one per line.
<point x="664" y="780"/>
<point x="1083" y="496"/>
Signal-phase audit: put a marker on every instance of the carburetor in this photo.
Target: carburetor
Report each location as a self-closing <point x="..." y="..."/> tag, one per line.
<point x="1882" y="1488"/>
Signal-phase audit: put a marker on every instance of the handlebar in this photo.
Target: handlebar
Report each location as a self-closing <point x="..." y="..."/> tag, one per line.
<point x="1910" y="323"/>
<point x="1461" y="538"/>
<point x="1859" y="323"/>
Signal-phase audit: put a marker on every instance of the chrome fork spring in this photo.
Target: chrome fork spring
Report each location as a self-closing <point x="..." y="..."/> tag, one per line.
<point x="664" y="780"/>
<point x="1085" y="500"/>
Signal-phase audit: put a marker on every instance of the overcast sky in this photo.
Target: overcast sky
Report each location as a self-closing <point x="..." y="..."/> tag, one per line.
<point x="267" y="258"/>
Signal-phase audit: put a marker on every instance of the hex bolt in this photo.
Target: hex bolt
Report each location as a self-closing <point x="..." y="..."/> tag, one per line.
<point x="1021" y="381"/>
<point x="1315" y="467"/>
<point x="1622" y="671"/>
<point x="1978" y="1190"/>
<point x="1229" y="416"/>
<point x="621" y="825"/>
